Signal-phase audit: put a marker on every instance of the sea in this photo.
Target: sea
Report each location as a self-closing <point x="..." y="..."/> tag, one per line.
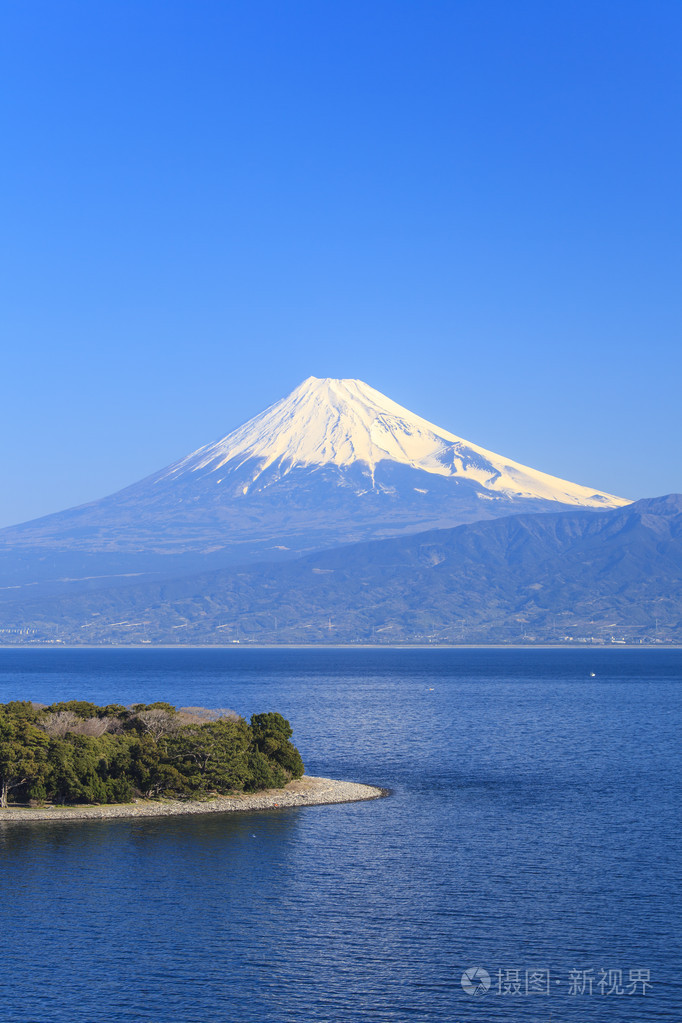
<point x="525" y="865"/>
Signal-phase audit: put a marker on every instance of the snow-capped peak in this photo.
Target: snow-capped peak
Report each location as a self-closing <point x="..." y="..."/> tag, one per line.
<point x="340" y="422"/>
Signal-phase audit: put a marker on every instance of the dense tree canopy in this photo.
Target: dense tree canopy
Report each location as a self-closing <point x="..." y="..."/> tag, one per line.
<point x="77" y="752"/>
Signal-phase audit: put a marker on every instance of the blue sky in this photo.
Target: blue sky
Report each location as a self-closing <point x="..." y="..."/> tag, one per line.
<point x="474" y="206"/>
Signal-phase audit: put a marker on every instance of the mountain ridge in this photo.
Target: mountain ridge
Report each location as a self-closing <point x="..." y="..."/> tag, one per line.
<point x="564" y="576"/>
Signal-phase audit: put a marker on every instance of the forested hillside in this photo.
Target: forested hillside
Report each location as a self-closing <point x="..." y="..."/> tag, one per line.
<point x="571" y="576"/>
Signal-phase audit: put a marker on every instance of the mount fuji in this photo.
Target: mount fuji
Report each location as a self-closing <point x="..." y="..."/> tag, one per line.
<point x="334" y="462"/>
<point x="348" y="424"/>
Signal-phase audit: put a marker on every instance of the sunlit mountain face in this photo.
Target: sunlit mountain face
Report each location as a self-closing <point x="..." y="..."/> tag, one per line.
<point x="334" y="462"/>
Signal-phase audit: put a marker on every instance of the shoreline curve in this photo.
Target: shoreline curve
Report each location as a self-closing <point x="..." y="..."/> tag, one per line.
<point x="305" y="791"/>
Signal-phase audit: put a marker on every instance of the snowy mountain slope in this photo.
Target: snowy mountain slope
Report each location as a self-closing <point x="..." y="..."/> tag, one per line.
<point x="345" y="422"/>
<point x="334" y="462"/>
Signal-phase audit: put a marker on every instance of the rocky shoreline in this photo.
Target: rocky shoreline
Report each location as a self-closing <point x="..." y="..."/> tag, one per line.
<point x="306" y="791"/>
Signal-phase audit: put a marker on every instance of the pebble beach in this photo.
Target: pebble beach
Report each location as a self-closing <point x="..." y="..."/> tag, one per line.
<point x="306" y="791"/>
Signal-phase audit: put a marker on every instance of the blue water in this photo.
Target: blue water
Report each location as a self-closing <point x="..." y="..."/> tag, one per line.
<point x="533" y="824"/>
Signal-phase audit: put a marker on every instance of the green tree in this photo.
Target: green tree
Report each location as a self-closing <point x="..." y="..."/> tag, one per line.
<point x="22" y="755"/>
<point x="263" y="773"/>
<point x="151" y="771"/>
<point x="81" y="708"/>
<point x="214" y="756"/>
<point x="271" y="736"/>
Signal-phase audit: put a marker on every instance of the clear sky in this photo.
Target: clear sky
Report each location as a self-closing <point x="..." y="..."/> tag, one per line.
<point x="473" y="205"/>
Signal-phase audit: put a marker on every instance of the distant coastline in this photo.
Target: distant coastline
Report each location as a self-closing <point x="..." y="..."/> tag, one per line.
<point x="305" y="791"/>
<point x="341" y="646"/>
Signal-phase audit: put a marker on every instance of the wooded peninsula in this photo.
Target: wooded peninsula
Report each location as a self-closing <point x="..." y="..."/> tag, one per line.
<point x="79" y="753"/>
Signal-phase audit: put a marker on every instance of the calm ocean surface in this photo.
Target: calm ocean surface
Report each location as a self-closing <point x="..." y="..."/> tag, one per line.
<point x="533" y="826"/>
